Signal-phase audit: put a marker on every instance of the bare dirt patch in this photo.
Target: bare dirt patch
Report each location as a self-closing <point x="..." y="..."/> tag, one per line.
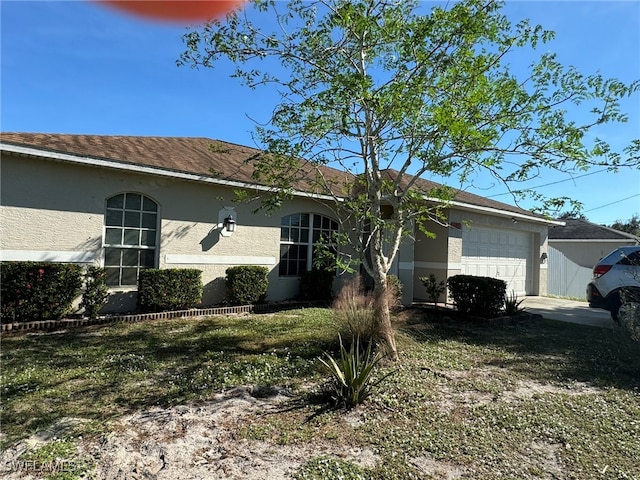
<point x="190" y="442"/>
<point x="202" y="441"/>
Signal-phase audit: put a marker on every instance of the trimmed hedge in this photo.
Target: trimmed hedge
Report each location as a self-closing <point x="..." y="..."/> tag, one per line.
<point x="38" y="291"/>
<point x="95" y="292"/>
<point x="317" y="285"/>
<point x="169" y="289"/>
<point x="247" y="284"/>
<point x="477" y="296"/>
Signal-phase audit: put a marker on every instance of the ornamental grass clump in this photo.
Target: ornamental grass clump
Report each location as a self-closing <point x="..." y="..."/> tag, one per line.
<point x="354" y="313"/>
<point x="352" y="373"/>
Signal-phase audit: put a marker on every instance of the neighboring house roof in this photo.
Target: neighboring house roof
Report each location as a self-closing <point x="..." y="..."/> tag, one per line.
<point x="578" y="230"/>
<point x="204" y="159"/>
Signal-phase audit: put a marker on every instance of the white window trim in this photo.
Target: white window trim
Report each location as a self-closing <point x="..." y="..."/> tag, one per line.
<point x="155" y="248"/>
<point x="310" y="244"/>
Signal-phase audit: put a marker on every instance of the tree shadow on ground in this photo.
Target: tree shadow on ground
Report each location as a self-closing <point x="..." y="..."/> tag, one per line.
<point x="544" y="350"/>
<point x="105" y="371"/>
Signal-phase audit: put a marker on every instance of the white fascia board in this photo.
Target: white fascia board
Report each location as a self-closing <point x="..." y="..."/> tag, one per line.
<point x="495" y="211"/>
<point x="90" y="161"/>
<point x="592" y="240"/>
<point x="131" y="167"/>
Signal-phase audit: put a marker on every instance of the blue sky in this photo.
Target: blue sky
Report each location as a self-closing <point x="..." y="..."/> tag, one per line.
<point x="78" y="67"/>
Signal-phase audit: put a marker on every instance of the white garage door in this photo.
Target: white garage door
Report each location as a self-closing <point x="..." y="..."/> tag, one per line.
<point x="503" y="254"/>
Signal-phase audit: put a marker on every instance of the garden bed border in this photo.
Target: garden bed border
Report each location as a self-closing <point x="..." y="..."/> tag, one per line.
<point x="64" y="323"/>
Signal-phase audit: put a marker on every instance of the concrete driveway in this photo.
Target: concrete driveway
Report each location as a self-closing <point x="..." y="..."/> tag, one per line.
<point x="568" y="311"/>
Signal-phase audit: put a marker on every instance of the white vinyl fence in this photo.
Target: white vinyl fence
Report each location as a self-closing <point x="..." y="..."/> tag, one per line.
<point x="565" y="278"/>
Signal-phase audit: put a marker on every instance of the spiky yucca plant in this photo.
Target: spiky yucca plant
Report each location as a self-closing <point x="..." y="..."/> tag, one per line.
<point x="512" y="304"/>
<point x="352" y="373"/>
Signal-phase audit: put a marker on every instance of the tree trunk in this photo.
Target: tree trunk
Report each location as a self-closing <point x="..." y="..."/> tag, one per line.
<point x="383" y="316"/>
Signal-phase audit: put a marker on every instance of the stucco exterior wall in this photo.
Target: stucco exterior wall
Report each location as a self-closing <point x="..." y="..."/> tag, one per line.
<point x="539" y="241"/>
<point x="54" y="211"/>
<point x="39" y="203"/>
<point x="431" y="256"/>
<point x="442" y="255"/>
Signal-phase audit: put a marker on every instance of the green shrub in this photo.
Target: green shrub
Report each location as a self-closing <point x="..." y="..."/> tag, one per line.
<point x="354" y="312"/>
<point x="352" y="373"/>
<point x="477" y="296"/>
<point x="435" y="288"/>
<point x="317" y="284"/>
<point x="629" y="319"/>
<point x="38" y="291"/>
<point x="169" y="289"/>
<point x="95" y="292"/>
<point x="247" y="284"/>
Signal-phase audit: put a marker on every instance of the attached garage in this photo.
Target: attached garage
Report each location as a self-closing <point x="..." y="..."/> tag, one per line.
<point x="499" y="253"/>
<point x="484" y="238"/>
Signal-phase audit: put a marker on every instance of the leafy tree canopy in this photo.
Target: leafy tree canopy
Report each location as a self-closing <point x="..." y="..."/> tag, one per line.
<point x="631" y="226"/>
<point x="573" y="215"/>
<point x="389" y="93"/>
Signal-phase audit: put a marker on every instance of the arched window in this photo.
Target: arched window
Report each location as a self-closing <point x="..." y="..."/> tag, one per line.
<point x="299" y="233"/>
<point x="131" y="229"/>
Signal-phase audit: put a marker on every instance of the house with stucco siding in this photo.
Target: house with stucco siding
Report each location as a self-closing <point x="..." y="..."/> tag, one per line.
<point x="128" y="203"/>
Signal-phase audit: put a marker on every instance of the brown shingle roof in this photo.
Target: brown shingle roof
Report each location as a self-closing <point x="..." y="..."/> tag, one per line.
<point x="424" y="185"/>
<point x="201" y="156"/>
<point x="193" y="155"/>
<point x="576" y="229"/>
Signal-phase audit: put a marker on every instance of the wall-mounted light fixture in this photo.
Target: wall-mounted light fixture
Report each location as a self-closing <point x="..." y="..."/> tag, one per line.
<point x="543" y="257"/>
<point x="229" y="224"/>
<point x="227" y="221"/>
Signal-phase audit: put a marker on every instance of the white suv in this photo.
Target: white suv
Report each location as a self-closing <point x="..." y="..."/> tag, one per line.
<point x="616" y="280"/>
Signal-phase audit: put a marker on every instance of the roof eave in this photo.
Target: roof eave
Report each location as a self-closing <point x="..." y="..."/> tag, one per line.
<point x="152" y="170"/>
<point x="497" y="212"/>
<point x="592" y="240"/>
<point x="145" y="169"/>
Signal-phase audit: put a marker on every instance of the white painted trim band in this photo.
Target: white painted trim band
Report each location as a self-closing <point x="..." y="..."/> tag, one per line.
<point x="46" y="256"/>
<point x="177" y="259"/>
<point x="438" y="265"/>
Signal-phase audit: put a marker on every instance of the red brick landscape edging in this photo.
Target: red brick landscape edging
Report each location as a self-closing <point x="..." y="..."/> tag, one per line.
<point x="195" y="312"/>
